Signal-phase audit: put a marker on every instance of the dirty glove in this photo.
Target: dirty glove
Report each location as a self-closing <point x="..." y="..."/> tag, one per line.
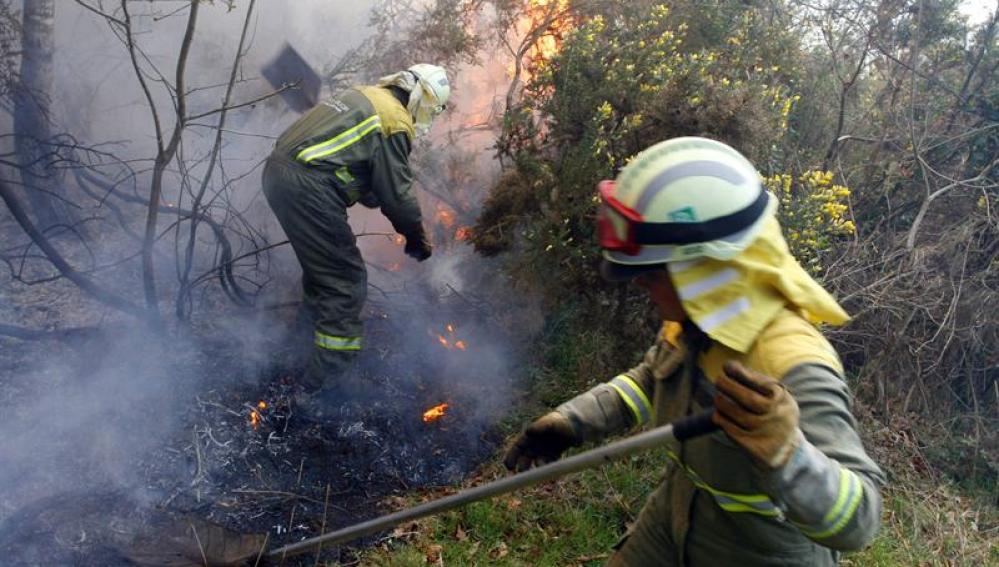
<point x="417" y="246"/>
<point x="758" y="413"/>
<point x="542" y="442"/>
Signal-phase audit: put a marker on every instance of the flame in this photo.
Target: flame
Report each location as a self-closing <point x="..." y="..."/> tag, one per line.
<point x="450" y="341"/>
<point x="255" y="416"/>
<point x="445" y="216"/>
<point x="463" y="233"/>
<point x="399" y="240"/>
<point x="435" y="413"/>
<point x="552" y="15"/>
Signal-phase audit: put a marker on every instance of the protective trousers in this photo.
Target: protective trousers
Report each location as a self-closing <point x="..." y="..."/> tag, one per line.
<point x="313" y="214"/>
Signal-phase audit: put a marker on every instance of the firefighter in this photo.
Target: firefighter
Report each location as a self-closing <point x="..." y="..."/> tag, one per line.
<point x="786" y="481"/>
<point x="351" y="148"/>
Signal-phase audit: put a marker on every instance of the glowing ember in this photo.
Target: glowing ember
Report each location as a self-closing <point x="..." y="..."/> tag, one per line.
<point x="450" y="341"/>
<point x="445" y="217"/>
<point x="399" y="240"/>
<point x="255" y="415"/>
<point x="463" y="233"/>
<point x="435" y="413"/>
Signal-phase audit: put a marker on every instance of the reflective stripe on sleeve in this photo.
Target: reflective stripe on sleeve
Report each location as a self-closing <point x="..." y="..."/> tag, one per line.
<point x="633" y="397"/>
<point x="851" y="492"/>
<point x="340" y="141"/>
<point x="331" y="342"/>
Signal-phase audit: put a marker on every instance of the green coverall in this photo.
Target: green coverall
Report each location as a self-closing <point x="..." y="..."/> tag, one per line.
<point x="351" y="148"/>
<point x="715" y="505"/>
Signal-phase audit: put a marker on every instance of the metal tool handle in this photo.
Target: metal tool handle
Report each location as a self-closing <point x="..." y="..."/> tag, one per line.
<point x="686" y="428"/>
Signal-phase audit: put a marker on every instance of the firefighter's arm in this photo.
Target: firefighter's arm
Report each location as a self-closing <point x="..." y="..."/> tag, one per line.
<point x="803" y="436"/>
<point x="623" y="402"/>
<point x="831" y="487"/>
<point x="603" y="410"/>
<point x="391" y="182"/>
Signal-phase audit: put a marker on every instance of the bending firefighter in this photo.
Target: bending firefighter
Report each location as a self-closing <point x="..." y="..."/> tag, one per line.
<point x="351" y="148"/>
<point x="786" y="482"/>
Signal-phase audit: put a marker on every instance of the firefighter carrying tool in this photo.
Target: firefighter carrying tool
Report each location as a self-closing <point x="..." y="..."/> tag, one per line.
<point x="787" y="481"/>
<point x="351" y="148"/>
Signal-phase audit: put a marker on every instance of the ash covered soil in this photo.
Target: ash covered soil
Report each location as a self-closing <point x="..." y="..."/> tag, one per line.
<point x="117" y="438"/>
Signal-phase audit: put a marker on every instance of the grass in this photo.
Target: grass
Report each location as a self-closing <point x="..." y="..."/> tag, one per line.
<point x="575" y="521"/>
<point x="927" y="520"/>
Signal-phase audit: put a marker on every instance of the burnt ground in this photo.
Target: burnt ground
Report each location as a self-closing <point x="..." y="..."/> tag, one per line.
<point x="188" y="447"/>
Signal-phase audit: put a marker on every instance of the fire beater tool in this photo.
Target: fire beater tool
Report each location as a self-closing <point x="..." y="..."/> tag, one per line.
<point x="237" y="553"/>
<point x="290" y="69"/>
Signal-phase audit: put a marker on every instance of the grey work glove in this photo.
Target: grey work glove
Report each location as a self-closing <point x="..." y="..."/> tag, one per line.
<point x="542" y="442"/>
<point x="758" y="413"/>
<point x="418" y="247"/>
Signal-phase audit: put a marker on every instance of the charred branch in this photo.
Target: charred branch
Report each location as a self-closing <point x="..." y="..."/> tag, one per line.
<point x="84" y="283"/>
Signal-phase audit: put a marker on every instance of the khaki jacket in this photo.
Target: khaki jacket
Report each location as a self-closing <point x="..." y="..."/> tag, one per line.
<point x="360" y="140"/>
<point x="720" y="504"/>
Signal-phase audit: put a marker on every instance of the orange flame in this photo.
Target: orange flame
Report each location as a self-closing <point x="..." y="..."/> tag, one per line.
<point x="255" y="416"/>
<point x="450" y="341"/>
<point x="435" y="413"/>
<point x="463" y="233"/>
<point x="552" y="16"/>
<point x="445" y="217"/>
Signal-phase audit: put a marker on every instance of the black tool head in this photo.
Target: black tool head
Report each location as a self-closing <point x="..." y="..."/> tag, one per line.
<point x="289" y="68"/>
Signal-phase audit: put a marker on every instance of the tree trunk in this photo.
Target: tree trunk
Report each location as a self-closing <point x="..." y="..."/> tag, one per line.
<point x="32" y="115"/>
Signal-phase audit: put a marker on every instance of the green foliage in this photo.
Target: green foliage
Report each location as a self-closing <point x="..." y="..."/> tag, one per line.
<point x="813" y="213"/>
<point x="619" y="84"/>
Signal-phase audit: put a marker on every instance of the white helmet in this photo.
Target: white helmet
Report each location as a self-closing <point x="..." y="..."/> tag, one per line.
<point x="681" y="199"/>
<point x="429" y="98"/>
<point x="429" y="91"/>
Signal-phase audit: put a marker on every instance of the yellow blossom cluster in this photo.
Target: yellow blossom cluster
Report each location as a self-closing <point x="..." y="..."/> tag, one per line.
<point x="646" y="60"/>
<point x="813" y="211"/>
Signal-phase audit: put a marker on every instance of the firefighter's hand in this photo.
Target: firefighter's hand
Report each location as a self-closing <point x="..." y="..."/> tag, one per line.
<point x="758" y="413"/>
<point x="418" y="247"/>
<point x="542" y="442"/>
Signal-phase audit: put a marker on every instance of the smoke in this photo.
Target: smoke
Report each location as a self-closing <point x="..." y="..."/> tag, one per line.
<point x="104" y="412"/>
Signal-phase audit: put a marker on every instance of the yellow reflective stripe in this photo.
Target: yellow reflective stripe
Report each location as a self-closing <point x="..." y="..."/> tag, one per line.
<point x="332" y="342"/>
<point x="639" y="418"/>
<point x="340" y="141"/>
<point x="730" y="501"/>
<point x="638" y="391"/>
<point x="851" y="492"/>
<point x="344" y="174"/>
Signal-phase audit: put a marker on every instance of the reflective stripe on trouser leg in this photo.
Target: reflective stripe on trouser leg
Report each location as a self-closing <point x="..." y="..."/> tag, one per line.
<point x="334" y="278"/>
<point x="331" y="342"/>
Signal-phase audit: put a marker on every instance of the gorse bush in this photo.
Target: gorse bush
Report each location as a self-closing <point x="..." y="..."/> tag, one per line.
<point x="620" y="83"/>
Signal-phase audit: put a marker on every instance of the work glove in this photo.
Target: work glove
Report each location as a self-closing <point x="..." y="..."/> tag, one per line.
<point x="418" y="247"/>
<point x="542" y="442"/>
<point x="758" y="413"/>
